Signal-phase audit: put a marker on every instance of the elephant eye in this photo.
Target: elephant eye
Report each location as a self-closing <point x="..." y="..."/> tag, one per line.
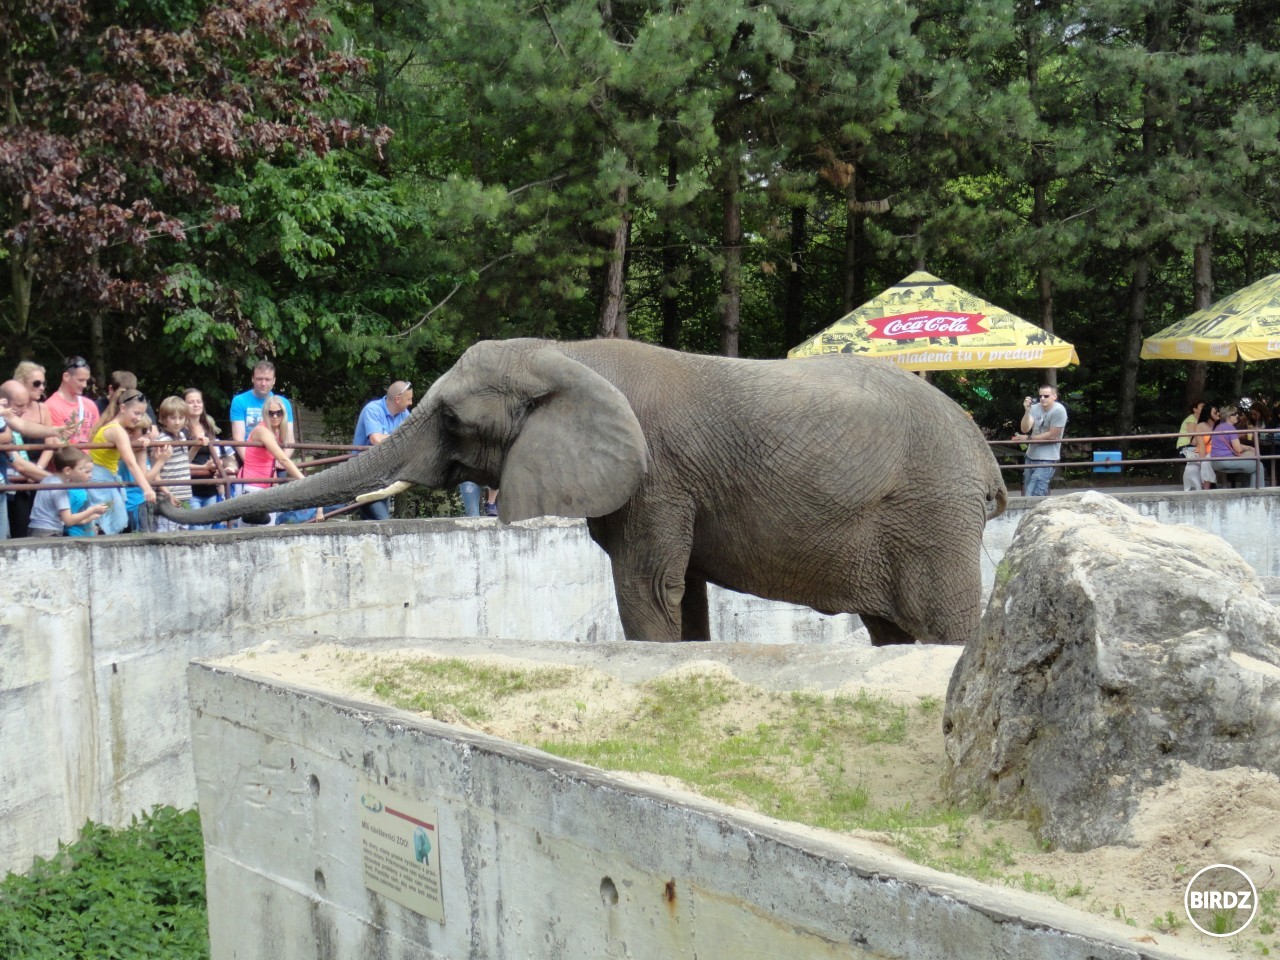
<point x="450" y="417"/>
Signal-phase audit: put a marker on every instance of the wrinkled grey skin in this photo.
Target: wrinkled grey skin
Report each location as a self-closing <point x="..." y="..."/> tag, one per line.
<point x="840" y="483"/>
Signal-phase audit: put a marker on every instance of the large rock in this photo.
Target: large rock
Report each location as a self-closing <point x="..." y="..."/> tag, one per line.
<point x="1113" y="647"/>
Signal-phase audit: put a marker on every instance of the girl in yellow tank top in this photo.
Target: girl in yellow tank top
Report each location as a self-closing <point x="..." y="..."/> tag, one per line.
<point x="124" y="410"/>
<point x="110" y="459"/>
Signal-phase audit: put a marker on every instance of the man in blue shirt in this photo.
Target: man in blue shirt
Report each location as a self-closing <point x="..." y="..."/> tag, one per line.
<point x="377" y="420"/>
<point x="246" y="408"/>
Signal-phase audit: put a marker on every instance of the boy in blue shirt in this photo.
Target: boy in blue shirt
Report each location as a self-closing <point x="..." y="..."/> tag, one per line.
<point x="57" y="511"/>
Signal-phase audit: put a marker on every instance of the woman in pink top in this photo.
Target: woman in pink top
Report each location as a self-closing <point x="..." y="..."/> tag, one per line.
<point x="266" y="453"/>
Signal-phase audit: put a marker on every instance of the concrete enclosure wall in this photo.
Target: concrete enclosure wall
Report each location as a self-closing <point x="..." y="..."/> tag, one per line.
<point x="95" y="636"/>
<point x="543" y="859"/>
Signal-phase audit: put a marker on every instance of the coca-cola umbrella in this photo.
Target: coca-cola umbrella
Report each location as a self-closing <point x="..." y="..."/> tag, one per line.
<point x="923" y="323"/>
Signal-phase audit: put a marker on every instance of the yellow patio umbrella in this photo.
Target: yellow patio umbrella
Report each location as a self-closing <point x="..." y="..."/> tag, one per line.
<point x="923" y="323"/>
<point x="1245" y="324"/>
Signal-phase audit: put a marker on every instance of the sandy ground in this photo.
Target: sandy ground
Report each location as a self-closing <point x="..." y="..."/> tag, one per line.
<point x="1202" y="818"/>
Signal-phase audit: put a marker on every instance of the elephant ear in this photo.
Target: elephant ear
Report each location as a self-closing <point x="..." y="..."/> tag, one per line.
<point x="581" y="452"/>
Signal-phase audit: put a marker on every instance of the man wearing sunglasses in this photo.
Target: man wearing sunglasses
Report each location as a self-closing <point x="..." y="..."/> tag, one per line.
<point x="1045" y="421"/>
<point x="377" y="420"/>
<point x="69" y="405"/>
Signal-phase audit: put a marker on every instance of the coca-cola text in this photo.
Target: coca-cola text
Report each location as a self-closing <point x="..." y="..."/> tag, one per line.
<point x="927" y="323"/>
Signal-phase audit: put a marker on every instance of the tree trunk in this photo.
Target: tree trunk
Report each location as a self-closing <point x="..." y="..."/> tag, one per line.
<point x="379" y="75"/>
<point x="855" y="239"/>
<point x="20" y="280"/>
<point x="623" y="325"/>
<point x="853" y="228"/>
<point x="1044" y="286"/>
<point x="613" y="311"/>
<point x="1202" y="290"/>
<point x="793" y="308"/>
<point x="670" y="263"/>
<point x="1139" y="282"/>
<point x="731" y="278"/>
<point x="98" y="349"/>
<point x="98" y="341"/>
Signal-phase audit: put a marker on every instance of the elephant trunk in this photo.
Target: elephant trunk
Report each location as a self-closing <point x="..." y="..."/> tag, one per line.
<point x="373" y="470"/>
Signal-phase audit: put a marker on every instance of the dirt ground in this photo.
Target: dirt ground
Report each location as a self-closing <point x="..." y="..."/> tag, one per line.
<point x="1203" y="818"/>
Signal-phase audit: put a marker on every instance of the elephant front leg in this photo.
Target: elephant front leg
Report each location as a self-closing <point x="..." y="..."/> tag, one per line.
<point x="650" y="557"/>
<point x="649" y="600"/>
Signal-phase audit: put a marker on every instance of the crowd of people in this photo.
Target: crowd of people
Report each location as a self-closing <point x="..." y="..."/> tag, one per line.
<point x="1220" y="441"/>
<point x="129" y="453"/>
<point x="97" y="466"/>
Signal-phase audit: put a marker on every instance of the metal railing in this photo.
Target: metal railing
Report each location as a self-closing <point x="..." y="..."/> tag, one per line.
<point x="1267" y="440"/>
<point x="222" y="479"/>
<point x="1005" y="451"/>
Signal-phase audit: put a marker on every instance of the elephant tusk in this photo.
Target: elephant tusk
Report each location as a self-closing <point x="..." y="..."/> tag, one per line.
<point x="391" y="491"/>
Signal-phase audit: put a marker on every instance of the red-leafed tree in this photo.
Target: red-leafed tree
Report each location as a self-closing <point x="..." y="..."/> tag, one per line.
<point x="117" y="123"/>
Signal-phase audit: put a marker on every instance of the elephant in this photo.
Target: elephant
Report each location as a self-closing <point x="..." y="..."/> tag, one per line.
<point x="837" y="482"/>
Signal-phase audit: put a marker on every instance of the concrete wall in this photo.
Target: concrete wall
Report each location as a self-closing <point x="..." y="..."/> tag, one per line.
<point x="95" y="635"/>
<point x="1249" y="520"/>
<point x="543" y="859"/>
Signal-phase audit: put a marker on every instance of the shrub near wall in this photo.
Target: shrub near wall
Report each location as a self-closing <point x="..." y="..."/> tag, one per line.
<point x="134" y="892"/>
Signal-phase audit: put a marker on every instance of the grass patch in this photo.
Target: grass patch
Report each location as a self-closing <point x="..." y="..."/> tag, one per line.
<point x="793" y="761"/>
<point x="807" y="757"/>
<point x="135" y="892"/>
<point x="434" y="686"/>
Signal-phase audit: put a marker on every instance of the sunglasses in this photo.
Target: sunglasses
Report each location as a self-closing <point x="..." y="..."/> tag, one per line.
<point x="74" y="363"/>
<point x="403" y="390"/>
<point x="1046" y="396"/>
<point x="134" y="397"/>
<point x="275" y="413"/>
<point x="37" y="383"/>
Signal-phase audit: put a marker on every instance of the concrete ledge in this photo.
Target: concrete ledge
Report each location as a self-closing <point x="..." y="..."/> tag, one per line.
<point x="544" y="858"/>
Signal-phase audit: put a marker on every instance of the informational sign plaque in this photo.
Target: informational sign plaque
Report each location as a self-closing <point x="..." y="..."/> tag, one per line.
<point x="400" y="850"/>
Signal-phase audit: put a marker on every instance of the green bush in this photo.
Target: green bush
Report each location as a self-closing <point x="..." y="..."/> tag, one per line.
<point x="136" y="892"/>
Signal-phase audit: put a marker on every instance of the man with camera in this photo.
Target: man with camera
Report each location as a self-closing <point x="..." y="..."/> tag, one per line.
<point x="1042" y="427"/>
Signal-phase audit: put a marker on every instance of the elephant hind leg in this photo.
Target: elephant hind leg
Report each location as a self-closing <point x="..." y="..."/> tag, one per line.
<point x="884" y="632"/>
<point x="695" y="616"/>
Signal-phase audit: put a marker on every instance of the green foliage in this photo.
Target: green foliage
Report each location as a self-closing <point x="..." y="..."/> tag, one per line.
<point x="1122" y="915"/>
<point x="312" y="263"/>
<point x="1064" y="161"/>
<point x="136" y="892"/>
